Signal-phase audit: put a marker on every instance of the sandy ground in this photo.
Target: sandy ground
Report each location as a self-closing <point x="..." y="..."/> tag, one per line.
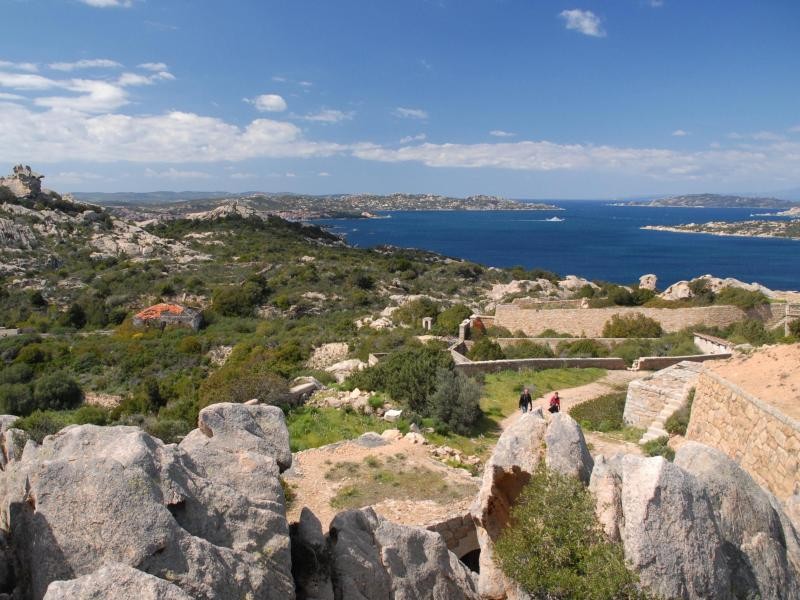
<point x="307" y="476"/>
<point x="772" y="375"/>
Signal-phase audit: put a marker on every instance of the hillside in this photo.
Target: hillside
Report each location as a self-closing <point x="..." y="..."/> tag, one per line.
<point x="714" y="201"/>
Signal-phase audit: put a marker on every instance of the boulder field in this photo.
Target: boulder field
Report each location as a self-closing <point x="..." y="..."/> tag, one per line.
<point x="111" y="512"/>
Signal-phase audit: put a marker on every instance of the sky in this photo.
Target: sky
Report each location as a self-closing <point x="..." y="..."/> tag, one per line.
<point x="518" y="98"/>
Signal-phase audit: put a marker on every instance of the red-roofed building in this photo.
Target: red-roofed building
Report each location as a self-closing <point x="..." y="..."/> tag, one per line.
<point x="161" y="315"/>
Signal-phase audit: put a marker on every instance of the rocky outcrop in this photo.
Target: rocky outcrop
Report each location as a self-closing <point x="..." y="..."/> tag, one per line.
<point x="515" y="458"/>
<point x="372" y="558"/>
<point x="755" y="542"/>
<point x="208" y="517"/>
<point x="567" y="452"/>
<point x="606" y="487"/>
<point x="343" y="369"/>
<point x="648" y="282"/>
<point x="311" y="559"/>
<point x="681" y="290"/>
<point x="115" y="581"/>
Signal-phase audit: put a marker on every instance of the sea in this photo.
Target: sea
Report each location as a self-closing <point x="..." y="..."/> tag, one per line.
<point x="592" y="239"/>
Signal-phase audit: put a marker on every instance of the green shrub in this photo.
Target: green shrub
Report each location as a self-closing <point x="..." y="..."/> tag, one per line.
<point x="169" y="431"/>
<point x="57" y="391"/>
<point x="450" y="318"/>
<point x="553" y="546"/>
<point x="749" y="331"/>
<point x="740" y="297"/>
<point x="94" y="415"/>
<point x="237" y="300"/>
<point x="486" y="349"/>
<point x="413" y="312"/>
<point x="601" y="414"/>
<point x="16" y="399"/>
<point x="701" y="292"/>
<point x="16" y="373"/>
<point x="455" y="403"/>
<point x="632" y="326"/>
<point x="659" y="447"/>
<point x="528" y="349"/>
<point x="408" y="376"/>
<point x="584" y="348"/>
<point x="43" y="423"/>
<point x="794" y="328"/>
<point x="243" y="383"/>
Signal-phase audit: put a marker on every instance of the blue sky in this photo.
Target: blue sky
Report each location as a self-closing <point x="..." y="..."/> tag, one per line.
<point x="521" y="98"/>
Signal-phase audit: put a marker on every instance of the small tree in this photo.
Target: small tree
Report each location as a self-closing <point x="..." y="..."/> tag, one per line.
<point x="57" y="391"/>
<point x="450" y="318"/>
<point x="16" y="399"/>
<point x="632" y="326"/>
<point x="455" y="401"/>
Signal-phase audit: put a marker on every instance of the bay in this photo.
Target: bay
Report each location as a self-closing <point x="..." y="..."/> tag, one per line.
<point x="594" y="240"/>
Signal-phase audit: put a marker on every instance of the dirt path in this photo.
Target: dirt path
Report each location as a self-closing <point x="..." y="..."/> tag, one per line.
<point x="314" y="490"/>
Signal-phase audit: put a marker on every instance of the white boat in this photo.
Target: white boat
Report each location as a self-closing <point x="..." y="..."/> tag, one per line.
<point x="554" y="220"/>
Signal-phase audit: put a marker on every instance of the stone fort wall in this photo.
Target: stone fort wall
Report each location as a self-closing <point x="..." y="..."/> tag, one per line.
<point x="764" y="441"/>
<point x="589" y="322"/>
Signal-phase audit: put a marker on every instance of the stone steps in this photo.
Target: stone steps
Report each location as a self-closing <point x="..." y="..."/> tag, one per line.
<point x="656" y="429"/>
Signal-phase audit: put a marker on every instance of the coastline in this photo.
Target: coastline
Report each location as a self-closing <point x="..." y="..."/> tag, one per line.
<point x="672" y="229"/>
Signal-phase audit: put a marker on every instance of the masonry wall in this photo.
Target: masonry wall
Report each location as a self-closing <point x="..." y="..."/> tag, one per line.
<point x="554" y="342"/>
<point x="458" y="532"/>
<point x="764" y="441"/>
<point x="495" y="366"/>
<point x="590" y="321"/>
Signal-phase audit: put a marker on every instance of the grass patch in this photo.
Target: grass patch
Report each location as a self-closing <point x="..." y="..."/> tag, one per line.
<point x="374" y="480"/>
<point x="601" y="414"/>
<point x="659" y="447"/>
<point x="311" y="427"/>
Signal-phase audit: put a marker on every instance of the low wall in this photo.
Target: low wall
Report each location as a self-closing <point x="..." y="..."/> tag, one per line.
<point x="589" y="322"/>
<point x="764" y="441"/>
<point x="654" y="363"/>
<point x="495" y="366"/>
<point x="712" y="345"/>
<point x="667" y="389"/>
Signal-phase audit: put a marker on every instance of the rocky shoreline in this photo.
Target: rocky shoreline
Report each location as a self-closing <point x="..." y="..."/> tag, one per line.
<point x="763" y="229"/>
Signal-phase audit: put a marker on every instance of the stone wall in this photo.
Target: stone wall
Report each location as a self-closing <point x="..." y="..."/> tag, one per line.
<point x="589" y="322"/>
<point x="458" y="532"/>
<point x="764" y="441"/>
<point x="495" y="366"/>
<point x="653" y="363"/>
<point x="554" y="342"/>
<point x="712" y="345"/>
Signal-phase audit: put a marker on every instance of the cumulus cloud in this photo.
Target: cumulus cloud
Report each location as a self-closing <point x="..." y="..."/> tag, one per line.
<point x="92" y="63"/>
<point x="268" y="103"/>
<point x="153" y="66"/>
<point x="19" y="66"/>
<point x="134" y="79"/>
<point x="328" y="115"/>
<point x="108" y="3"/>
<point x="583" y="21"/>
<point x="410" y="113"/>
<point x="25" y="81"/>
<point x="413" y="138"/>
<point x="680" y="133"/>
<point x="501" y="134"/>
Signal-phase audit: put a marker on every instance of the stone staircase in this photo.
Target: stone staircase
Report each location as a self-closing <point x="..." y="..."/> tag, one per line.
<point x="656" y="429"/>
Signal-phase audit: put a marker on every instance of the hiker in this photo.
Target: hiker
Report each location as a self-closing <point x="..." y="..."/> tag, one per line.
<point x="525" y="401"/>
<point x="555" y="404"/>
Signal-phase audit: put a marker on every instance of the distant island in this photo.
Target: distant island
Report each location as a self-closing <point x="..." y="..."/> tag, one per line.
<point x="300" y="207"/>
<point x="713" y="201"/>
<point x="774" y="229"/>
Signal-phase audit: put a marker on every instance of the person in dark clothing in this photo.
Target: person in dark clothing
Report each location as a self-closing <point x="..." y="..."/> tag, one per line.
<point x="525" y="401"/>
<point x="555" y="404"/>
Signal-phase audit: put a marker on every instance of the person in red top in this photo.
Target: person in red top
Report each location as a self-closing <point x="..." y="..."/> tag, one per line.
<point x="555" y="404"/>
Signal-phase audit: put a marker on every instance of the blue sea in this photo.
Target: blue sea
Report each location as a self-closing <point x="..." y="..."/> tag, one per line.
<point x="595" y="240"/>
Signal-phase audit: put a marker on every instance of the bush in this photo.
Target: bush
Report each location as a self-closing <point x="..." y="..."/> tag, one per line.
<point x="585" y="348"/>
<point x="740" y="297"/>
<point x="678" y="422"/>
<point x="238" y="300"/>
<point x="450" y="318"/>
<point x="16" y="373"/>
<point x="528" y="349"/>
<point x="659" y="447"/>
<point x="408" y="376"/>
<point x="794" y="328"/>
<point x="455" y="403"/>
<point x="553" y="546"/>
<point x="413" y="312"/>
<point x="486" y="349"/>
<point x="16" y="399"/>
<point x="601" y="414"/>
<point x="43" y="423"/>
<point x="632" y="326"/>
<point x="750" y="331"/>
<point x="57" y="391"/>
<point x="240" y="384"/>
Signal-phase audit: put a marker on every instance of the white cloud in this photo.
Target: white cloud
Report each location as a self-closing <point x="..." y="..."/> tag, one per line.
<point x="93" y="63"/>
<point x="540" y="156"/>
<point x="413" y="138"/>
<point x="583" y="21"/>
<point x="268" y="103"/>
<point x="153" y="66"/>
<point x="134" y="79"/>
<point x="26" y="81"/>
<point x="279" y="79"/>
<point x="323" y="174"/>
<point x="767" y="136"/>
<point x="680" y="133"/>
<point x="108" y="3"/>
<point x="67" y="177"/>
<point x="93" y="97"/>
<point x="410" y="113"/>
<point x="501" y="134"/>
<point x="173" y="173"/>
<point x="4" y="96"/>
<point x="795" y="129"/>
<point x="305" y="84"/>
<point x="22" y="66"/>
<point x="327" y="115"/>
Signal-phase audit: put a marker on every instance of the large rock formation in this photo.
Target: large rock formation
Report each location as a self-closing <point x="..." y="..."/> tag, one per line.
<point x="755" y="540"/>
<point x="115" y="581"/>
<point x="372" y="559"/>
<point x="207" y="517"/>
<point x="23" y="182"/>
<point x="566" y="448"/>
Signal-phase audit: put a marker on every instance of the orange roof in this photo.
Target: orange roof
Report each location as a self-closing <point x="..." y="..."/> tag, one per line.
<point x="159" y="310"/>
